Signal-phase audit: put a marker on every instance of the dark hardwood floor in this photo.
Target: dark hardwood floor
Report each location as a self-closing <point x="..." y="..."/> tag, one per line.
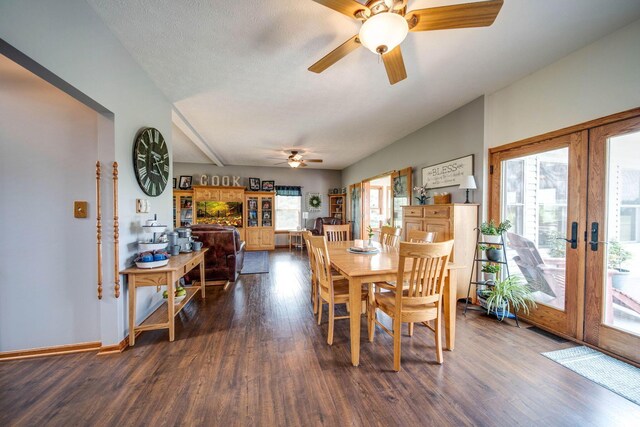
<point x="253" y="355"/>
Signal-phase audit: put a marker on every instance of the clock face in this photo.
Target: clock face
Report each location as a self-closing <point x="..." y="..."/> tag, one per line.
<point x="151" y="161"/>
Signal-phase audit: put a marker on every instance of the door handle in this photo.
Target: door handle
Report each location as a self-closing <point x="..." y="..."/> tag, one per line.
<point x="594" y="236"/>
<point x="574" y="236"/>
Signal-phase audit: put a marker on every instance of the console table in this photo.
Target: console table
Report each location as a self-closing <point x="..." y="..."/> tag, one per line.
<point x="164" y="316"/>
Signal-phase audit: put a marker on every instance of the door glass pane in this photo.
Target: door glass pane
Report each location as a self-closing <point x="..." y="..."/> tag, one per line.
<point x="622" y="281"/>
<point x="355" y="211"/>
<point x="535" y="195"/>
<point x="252" y="212"/>
<point x="267" y="212"/>
<point x="400" y="198"/>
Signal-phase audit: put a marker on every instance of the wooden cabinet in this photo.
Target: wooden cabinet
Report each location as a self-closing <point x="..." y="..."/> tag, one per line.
<point x="259" y="221"/>
<point x="337" y="203"/>
<point x="182" y="208"/>
<point x="450" y="221"/>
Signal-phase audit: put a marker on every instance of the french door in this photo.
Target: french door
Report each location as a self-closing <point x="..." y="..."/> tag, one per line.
<point x="401" y="191"/>
<point x="540" y="187"/>
<point x="612" y="313"/>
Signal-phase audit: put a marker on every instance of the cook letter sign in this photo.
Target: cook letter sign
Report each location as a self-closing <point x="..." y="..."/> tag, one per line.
<point x="447" y="174"/>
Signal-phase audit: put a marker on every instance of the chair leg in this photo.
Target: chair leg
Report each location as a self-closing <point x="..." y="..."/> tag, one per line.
<point x="319" y="310"/>
<point x="314" y="298"/>
<point x="438" y="328"/>
<point x="397" y="335"/>
<point x="371" y="314"/>
<point x="411" y="329"/>
<point x="331" y="321"/>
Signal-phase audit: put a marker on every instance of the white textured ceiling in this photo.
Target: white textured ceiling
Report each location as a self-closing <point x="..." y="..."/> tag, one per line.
<point x="237" y="70"/>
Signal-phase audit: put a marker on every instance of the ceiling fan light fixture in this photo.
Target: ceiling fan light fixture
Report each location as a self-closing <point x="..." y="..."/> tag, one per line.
<point x="383" y="32"/>
<point x="294" y="163"/>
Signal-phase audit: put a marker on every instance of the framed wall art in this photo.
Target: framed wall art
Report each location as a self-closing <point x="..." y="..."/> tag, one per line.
<point x="447" y="174"/>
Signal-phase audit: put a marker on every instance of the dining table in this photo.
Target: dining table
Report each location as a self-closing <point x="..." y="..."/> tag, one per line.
<point x="362" y="268"/>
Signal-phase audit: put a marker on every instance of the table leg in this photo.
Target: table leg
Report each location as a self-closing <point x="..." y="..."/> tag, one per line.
<point x="171" y="306"/>
<point x="449" y="307"/>
<point x="355" y="296"/>
<point x="132" y="309"/>
<point x="202" y="279"/>
<point x="290" y="242"/>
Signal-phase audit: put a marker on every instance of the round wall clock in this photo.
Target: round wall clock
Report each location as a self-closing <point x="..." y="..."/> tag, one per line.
<point x="151" y="161"/>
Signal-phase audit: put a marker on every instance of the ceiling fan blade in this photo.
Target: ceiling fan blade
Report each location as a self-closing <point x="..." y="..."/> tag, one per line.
<point x="302" y="165"/>
<point x="281" y="163"/>
<point x="313" y="160"/>
<point x="394" y="65"/>
<point x="337" y="54"/>
<point x="348" y="7"/>
<point x="467" y="15"/>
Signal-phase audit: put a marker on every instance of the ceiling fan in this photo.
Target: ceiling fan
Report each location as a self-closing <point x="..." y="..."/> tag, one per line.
<point x="386" y="23"/>
<point x="295" y="160"/>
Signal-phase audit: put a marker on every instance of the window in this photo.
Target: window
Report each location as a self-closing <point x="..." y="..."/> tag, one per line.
<point x="288" y="212"/>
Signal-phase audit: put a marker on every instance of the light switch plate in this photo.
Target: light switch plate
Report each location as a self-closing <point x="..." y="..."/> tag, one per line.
<point x="142" y="206"/>
<point x="80" y="209"/>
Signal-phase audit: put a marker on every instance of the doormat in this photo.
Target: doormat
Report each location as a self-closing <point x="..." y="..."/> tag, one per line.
<point x="619" y="377"/>
<point x="255" y="262"/>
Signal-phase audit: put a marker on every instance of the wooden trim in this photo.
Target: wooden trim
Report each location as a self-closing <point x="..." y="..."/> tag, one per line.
<point x="382" y="175"/>
<point x="568" y="130"/>
<point x="50" y="351"/>
<point x="116" y="233"/>
<point x="117" y="348"/>
<point x="99" y="228"/>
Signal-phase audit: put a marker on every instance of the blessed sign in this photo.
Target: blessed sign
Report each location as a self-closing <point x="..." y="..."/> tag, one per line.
<point x="447" y="174"/>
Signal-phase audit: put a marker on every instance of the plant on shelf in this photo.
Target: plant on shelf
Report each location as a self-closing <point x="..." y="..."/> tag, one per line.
<point x="490" y="271"/>
<point x="492" y="232"/>
<point x="507" y="296"/>
<point x="422" y="194"/>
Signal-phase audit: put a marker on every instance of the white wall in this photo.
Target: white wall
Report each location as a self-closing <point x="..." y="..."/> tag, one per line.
<point x="311" y="180"/>
<point x="457" y="134"/>
<point x="46" y="257"/>
<point x="70" y="40"/>
<point x="600" y="79"/>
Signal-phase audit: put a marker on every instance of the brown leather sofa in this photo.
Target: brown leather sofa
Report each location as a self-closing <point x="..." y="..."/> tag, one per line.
<point x="320" y="222"/>
<point x="224" y="259"/>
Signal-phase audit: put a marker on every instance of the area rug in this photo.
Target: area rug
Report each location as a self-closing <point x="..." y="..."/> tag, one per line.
<point x="255" y="262"/>
<point x="619" y="377"/>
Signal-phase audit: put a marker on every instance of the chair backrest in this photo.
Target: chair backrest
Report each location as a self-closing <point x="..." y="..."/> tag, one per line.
<point x="337" y="233"/>
<point x="427" y="265"/>
<point x="306" y="235"/>
<point x="323" y="265"/>
<point x="419" y="236"/>
<point x="390" y="236"/>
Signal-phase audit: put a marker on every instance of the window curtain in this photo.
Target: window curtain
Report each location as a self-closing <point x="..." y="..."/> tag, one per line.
<point x="284" y="190"/>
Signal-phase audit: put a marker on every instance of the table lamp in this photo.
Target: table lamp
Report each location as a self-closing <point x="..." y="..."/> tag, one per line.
<point x="305" y="217"/>
<point x="468" y="183"/>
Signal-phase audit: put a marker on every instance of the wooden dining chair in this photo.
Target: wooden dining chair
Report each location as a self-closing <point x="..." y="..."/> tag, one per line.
<point x="390" y="236"/>
<point x="330" y="290"/>
<point x="312" y="266"/>
<point x="419" y="236"/>
<point x="419" y="299"/>
<point x="337" y="233"/>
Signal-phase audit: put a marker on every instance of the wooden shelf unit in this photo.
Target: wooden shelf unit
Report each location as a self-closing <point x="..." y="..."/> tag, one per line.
<point x="183" y="212"/>
<point x="164" y="316"/>
<point x="455" y="221"/>
<point x="337" y="204"/>
<point x="259" y="220"/>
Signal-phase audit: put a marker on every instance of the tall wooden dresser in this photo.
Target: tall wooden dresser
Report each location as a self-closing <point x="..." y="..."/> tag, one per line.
<point x="451" y="221"/>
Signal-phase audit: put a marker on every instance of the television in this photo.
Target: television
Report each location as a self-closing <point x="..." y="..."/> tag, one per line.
<point x="222" y="213"/>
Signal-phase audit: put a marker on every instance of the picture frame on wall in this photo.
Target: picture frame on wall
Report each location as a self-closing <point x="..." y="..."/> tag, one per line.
<point x="185" y="182"/>
<point x="254" y="184"/>
<point x="447" y="174"/>
<point x="268" y="185"/>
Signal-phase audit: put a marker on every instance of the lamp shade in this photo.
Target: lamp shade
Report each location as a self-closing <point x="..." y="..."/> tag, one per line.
<point x="468" y="183"/>
<point x="305" y="215"/>
<point x="383" y="32"/>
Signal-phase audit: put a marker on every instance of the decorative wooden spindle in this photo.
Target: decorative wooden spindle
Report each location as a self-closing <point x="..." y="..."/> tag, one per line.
<point x="116" y="231"/>
<point x="99" y="228"/>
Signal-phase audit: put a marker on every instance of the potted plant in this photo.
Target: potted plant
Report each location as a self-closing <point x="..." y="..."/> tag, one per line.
<point x="489" y="271"/>
<point x="370" y="233"/>
<point x="494" y="254"/>
<point x="617" y="257"/>
<point x="507" y="296"/>
<point x="422" y="194"/>
<point x="491" y="233"/>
